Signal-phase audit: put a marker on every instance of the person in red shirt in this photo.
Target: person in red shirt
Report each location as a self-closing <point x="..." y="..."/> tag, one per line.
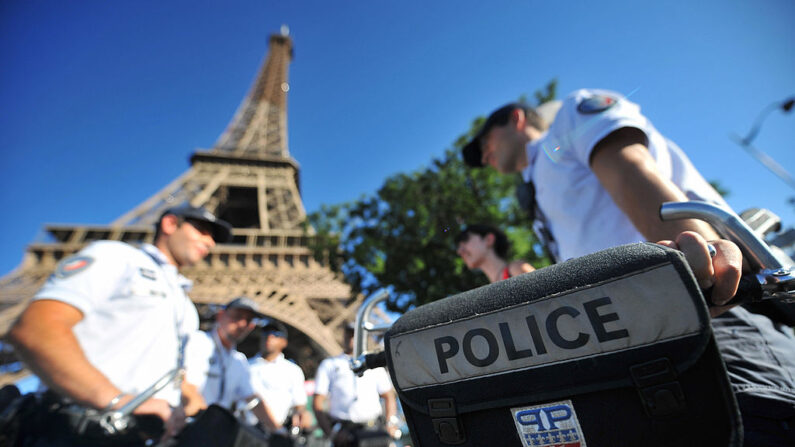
<point x="485" y="248"/>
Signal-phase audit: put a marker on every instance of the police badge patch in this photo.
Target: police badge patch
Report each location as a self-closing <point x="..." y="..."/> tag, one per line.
<point x="552" y="424"/>
<point x="596" y="104"/>
<point x="148" y="273"/>
<point x="73" y="265"/>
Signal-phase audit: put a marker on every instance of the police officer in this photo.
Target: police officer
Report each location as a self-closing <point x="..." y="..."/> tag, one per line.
<point x="217" y="369"/>
<point x="600" y="173"/>
<point x="279" y="381"/>
<point x="485" y="247"/>
<point x="112" y="320"/>
<point x="353" y="401"/>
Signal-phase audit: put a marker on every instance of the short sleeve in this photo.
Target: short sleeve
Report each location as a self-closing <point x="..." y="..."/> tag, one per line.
<point x="90" y="277"/>
<point x="189" y="322"/>
<point x="299" y="394"/>
<point x="588" y="116"/>
<point x="254" y="375"/>
<point x="322" y="378"/>
<point x="383" y="382"/>
<point x="197" y="358"/>
<point x="242" y="377"/>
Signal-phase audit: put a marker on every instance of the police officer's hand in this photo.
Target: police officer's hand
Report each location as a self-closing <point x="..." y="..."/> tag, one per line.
<point x="175" y="423"/>
<point x="302" y="419"/>
<point x="721" y="272"/>
<point x="173" y="418"/>
<point x="157" y="407"/>
<point x="393" y="427"/>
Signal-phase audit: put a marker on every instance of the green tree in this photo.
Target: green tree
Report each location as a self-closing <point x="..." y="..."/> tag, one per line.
<point x="719" y="188"/>
<point x="549" y="92"/>
<point x="402" y="237"/>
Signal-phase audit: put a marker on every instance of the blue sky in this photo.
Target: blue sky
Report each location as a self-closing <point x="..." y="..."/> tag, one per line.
<point x="103" y="102"/>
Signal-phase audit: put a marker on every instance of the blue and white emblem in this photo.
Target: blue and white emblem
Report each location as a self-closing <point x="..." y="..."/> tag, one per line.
<point x="552" y="424"/>
<point x="596" y="104"/>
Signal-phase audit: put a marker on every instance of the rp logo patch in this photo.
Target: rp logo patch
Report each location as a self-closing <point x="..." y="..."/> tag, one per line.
<point x="596" y="104"/>
<point x="553" y="424"/>
<point x="73" y="265"/>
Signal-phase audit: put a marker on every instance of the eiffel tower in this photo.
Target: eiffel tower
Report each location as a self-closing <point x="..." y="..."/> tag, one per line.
<point x="248" y="179"/>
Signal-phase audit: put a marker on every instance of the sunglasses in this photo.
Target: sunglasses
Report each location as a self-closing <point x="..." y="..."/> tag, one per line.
<point x="279" y="334"/>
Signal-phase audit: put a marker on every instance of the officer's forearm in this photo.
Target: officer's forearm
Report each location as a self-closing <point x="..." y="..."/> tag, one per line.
<point x="265" y="416"/>
<point x="323" y="418"/>
<point x="192" y="399"/>
<point x="631" y="177"/>
<point x="323" y="421"/>
<point x="390" y="405"/>
<point x="301" y="417"/>
<point x="43" y="338"/>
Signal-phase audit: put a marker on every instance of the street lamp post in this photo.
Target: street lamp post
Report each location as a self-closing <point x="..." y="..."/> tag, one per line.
<point x="785" y="106"/>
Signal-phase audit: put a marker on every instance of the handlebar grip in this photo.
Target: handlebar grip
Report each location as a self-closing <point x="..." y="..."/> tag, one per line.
<point x="377" y="360"/>
<point x="748" y="291"/>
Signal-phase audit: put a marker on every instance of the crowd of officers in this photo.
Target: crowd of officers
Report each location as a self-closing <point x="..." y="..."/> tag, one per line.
<point x="114" y="318"/>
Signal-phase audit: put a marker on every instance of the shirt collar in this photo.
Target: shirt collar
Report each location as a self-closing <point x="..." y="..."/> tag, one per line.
<point x="155" y="253"/>
<point x="168" y="267"/>
<point x="278" y="358"/>
<point x="217" y="340"/>
<point x="532" y="149"/>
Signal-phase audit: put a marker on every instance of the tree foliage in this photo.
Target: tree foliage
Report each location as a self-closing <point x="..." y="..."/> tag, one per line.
<point x="402" y="237"/>
<point x="549" y="92"/>
<point x="719" y="188"/>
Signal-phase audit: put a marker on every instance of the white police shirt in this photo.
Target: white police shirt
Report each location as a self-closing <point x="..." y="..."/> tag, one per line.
<point x="280" y="383"/>
<point x="351" y="397"/>
<point x="135" y="312"/>
<point x="220" y="374"/>
<point x="583" y="218"/>
<point x="578" y="211"/>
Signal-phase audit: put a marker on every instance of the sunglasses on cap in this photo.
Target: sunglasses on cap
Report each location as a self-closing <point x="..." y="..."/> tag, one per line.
<point x="275" y="333"/>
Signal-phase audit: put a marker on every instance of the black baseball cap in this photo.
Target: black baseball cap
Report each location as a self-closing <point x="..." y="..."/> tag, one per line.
<point x="473" y="156"/>
<point x="276" y="328"/>
<point x="222" y="231"/>
<point x="245" y="303"/>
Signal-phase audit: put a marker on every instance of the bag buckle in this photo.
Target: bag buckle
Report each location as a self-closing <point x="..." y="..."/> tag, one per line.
<point x="658" y="387"/>
<point x="445" y="421"/>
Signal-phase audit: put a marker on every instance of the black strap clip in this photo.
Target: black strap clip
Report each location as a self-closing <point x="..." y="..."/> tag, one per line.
<point x="445" y="421"/>
<point x="659" y="388"/>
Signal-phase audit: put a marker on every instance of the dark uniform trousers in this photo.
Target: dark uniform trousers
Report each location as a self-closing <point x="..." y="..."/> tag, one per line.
<point x="760" y="359"/>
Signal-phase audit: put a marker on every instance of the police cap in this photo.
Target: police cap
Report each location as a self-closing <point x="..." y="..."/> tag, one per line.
<point x="245" y="303"/>
<point x="222" y="230"/>
<point x="472" y="153"/>
<point x="276" y="328"/>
